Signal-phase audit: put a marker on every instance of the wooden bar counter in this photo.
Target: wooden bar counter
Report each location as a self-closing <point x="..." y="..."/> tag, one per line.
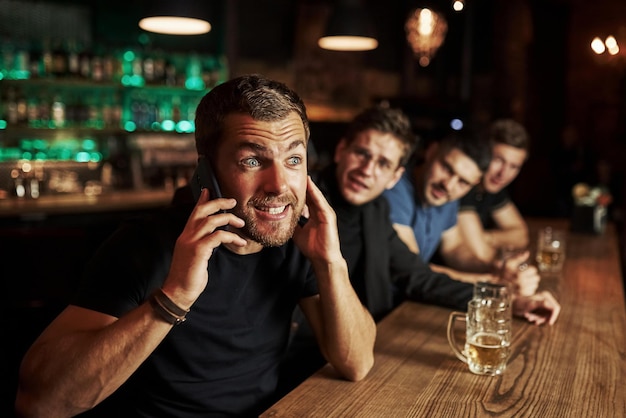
<point x="576" y="368"/>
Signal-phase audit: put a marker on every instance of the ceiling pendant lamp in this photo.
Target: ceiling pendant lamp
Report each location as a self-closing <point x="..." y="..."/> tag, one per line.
<point x="183" y="17"/>
<point x="425" y="32"/>
<point x="348" y="29"/>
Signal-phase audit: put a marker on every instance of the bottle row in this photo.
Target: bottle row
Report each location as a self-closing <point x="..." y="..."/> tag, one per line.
<point x="38" y="167"/>
<point x="135" y="109"/>
<point x="35" y="179"/>
<point x="128" y="66"/>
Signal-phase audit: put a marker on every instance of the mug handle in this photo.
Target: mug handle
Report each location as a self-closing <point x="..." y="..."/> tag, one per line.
<point x="451" y="340"/>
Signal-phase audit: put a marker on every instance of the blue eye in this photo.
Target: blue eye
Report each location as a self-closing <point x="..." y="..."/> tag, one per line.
<point x="295" y="160"/>
<point x="252" y="162"/>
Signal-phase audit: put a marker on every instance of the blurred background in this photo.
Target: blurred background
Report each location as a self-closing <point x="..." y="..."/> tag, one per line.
<point x="96" y="114"/>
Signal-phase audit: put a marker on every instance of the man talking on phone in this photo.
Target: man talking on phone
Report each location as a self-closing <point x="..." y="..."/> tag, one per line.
<point x="177" y="317"/>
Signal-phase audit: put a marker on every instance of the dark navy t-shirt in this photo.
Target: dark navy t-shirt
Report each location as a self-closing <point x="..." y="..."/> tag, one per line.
<point x="223" y="361"/>
<point x="484" y="204"/>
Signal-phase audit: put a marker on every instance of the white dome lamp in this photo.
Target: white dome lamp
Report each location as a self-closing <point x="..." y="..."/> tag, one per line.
<point x="183" y="17"/>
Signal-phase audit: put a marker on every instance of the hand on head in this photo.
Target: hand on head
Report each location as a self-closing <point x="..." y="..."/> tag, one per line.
<point x="318" y="239"/>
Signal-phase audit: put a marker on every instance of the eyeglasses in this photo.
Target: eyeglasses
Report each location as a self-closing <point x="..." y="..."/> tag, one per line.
<point x="382" y="164"/>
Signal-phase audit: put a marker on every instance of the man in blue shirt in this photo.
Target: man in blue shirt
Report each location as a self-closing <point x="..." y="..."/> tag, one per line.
<point x="425" y="203"/>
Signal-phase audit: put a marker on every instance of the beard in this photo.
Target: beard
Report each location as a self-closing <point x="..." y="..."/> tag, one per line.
<point x="268" y="233"/>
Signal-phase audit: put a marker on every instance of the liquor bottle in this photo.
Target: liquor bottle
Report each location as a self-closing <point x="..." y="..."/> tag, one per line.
<point x="94" y="118"/>
<point x="148" y="70"/>
<point x="58" y="112"/>
<point x="22" y="61"/>
<point x="46" y="58"/>
<point x="176" y="109"/>
<point x="159" y="69"/>
<point x="59" y="60"/>
<point x="116" y="111"/>
<point x="22" y="106"/>
<point x="35" y="64"/>
<point x="107" y="112"/>
<point x="109" y="71"/>
<point x="84" y="64"/>
<point x="170" y="73"/>
<point x="97" y="67"/>
<point x="7" y="59"/>
<point x="137" y="78"/>
<point x="11" y="107"/>
<point x="45" y="108"/>
<point x="73" y="59"/>
<point x="32" y="112"/>
<point x="193" y="74"/>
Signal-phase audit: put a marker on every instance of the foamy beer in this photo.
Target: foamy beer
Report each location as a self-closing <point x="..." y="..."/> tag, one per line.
<point x="487" y="334"/>
<point x="550" y="250"/>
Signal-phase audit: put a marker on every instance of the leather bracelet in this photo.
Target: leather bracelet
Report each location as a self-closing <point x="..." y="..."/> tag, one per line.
<point x="168" y="304"/>
<point x="164" y="313"/>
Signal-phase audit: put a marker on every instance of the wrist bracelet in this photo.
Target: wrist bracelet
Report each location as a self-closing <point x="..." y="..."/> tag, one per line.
<point x="164" y="307"/>
<point x="168" y="304"/>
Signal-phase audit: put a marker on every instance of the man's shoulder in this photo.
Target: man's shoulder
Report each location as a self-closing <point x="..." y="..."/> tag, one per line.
<point x="161" y="227"/>
<point x="472" y="197"/>
<point x="379" y="204"/>
<point x="401" y="191"/>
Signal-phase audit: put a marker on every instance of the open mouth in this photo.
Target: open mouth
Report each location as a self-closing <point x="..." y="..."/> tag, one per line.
<point x="356" y="184"/>
<point x="438" y="193"/>
<point x="273" y="210"/>
<point x="272" y="213"/>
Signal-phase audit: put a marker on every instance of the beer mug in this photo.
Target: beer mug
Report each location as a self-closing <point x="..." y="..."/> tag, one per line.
<point x="494" y="293"/>
<point x="550" y="250"/>
<point x="488" y="330"/>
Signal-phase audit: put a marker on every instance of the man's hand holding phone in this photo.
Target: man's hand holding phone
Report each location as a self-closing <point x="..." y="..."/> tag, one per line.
<point x="188" y="274"/>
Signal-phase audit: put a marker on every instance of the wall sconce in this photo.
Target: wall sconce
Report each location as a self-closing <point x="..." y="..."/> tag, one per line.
<point x="348" y="29"/>
<point x="609" y="45"/>
<point x="425" y="32"/>
<point x="185" y="17"/>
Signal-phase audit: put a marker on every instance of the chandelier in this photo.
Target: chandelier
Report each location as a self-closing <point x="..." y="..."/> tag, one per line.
<point x="425" y="32"/>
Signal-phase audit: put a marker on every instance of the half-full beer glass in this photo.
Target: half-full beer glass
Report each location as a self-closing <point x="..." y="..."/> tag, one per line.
<point x="550" y="250"/>
<point x="488" y="330"/>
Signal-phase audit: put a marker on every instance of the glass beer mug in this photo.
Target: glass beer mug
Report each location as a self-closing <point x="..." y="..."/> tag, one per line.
<point x="550" y="250"/>
<point x="488" y="330"/>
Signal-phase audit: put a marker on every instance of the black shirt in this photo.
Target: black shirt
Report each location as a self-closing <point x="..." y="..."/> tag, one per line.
<point x="224" y="360"/>
<point x="484" y="204"/>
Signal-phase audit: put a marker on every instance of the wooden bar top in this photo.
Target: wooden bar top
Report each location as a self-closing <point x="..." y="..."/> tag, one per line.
<point x="575" y="368"/>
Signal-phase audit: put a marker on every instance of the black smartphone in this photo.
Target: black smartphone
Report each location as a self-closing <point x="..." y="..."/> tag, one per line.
<point x="204" y="178"/>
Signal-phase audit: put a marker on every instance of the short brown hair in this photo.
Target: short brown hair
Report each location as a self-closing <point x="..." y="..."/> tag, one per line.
<point x="259" y="97"/>
<point x="386" y="120"/>
<point x="509" y="132"/>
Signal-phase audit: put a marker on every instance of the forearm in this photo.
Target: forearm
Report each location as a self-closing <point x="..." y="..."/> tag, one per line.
<point x="463" y="258"/>
<point x="515" y="237"/>
<point x="71" y="374"/>
<point x="349" y="330"/>
<point x="464" y="276"/>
